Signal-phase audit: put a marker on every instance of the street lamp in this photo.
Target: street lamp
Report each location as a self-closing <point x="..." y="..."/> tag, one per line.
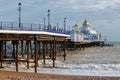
<point x="48" y="17"/>
<point x="64" y="24"/>
<point x="19" y="9"/>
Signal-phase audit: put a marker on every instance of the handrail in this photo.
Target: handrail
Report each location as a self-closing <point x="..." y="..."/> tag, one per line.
<point x="31" y="27"/>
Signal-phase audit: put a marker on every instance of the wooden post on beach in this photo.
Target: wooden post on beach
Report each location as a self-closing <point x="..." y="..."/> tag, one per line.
<point x="36" y="53"/>
<point x="64" y="49"/>
<point x="16" y="57"/>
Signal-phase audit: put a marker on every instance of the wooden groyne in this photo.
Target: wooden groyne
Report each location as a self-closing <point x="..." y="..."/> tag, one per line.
<point x="10" y="75"/>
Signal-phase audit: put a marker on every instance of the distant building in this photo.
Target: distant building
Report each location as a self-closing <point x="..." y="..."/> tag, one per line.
<point x="84" y="33"/>
<point x="76" y="35"/>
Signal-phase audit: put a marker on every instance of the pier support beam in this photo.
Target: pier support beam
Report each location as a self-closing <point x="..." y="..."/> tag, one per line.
<point x="83" y="46"/>
<point x="39" y="51"/>
<point x="64" y="50"/>
<point x="53" y="56"/>
<point x="44" y="52"/>
<point x="13" y="53"/>
<point x="31" y="50"/>
<point x="1" y="48"/>
<point x="58" y="48"/>
<point x="36" y="53"/>
<point x="51" y="50"/>
<point x="5" y="49"/>
<point x="28" y="52"/>
<point x="22" y="48"/>
<point x="75" y="47"/>
<point x="16" y="55"/>
<point x="55" y="50"/>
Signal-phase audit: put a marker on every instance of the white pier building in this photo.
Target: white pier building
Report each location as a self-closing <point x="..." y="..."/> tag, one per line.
<point x="84" y="33"/>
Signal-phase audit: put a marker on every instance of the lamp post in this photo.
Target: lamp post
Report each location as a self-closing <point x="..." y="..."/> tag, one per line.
<point x="57" y="27"/>
<point x="48" y="17"/>
<point x="19" y="9"/>
<point x="44" y="21"/>
<point x="64" y="24"/>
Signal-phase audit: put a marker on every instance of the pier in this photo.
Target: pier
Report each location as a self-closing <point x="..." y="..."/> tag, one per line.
<point x="33" y="41"/>
<point x="36" y="41"/>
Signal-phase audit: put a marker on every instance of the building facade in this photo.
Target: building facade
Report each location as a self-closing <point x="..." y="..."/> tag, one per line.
<point x="84" y="33"/>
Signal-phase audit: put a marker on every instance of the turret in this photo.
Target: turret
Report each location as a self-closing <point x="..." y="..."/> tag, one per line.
<point x="86" y="23"/>
<point x="76" y="35"/>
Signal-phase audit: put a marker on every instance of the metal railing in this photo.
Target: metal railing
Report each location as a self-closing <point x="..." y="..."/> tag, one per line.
<point x="31" y="27"/>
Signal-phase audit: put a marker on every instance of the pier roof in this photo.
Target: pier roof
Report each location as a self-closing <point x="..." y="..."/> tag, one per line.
<point x="32" y="33"/>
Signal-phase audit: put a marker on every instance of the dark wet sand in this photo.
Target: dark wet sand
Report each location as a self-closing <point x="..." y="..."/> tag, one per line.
<point x="10" y="75"/>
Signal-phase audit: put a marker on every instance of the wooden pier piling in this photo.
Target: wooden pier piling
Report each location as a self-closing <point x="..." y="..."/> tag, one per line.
<point x="16" y="55"/>
<point x="36" y="53"/>
<point x="28" y="53"/>
<point x="1" y="48"/>
<point x="22" y="47"/>
<point x="44" y="52"/>
<point x="53" y="56"/>
<point x="64" y="50"/>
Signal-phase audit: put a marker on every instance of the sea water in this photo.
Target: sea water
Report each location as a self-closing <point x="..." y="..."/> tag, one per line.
<point x="97" y="61"/>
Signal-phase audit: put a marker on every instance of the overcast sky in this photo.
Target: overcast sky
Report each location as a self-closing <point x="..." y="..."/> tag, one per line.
<point x="104" y="15"/>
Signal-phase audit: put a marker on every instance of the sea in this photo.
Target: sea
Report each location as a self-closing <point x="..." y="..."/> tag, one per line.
<point x="93" y="61"/>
